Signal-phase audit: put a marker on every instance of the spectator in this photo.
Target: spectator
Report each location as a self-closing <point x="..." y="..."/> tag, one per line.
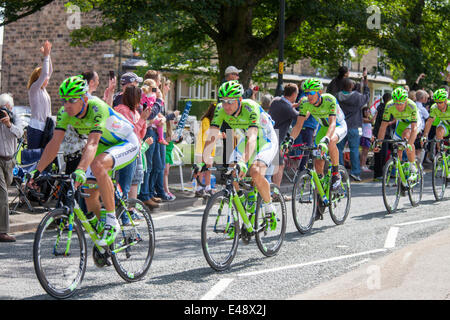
<point x="365" y="138"/>
<point x="10" y="130"/>
<point x="39" y="99"/>
<point x="282" y="110"/>
<point x="152" y="188"/>
<point x="412" y="95"/>
<point x="380" y="157"/>
<point x="337" y="84"/>
<point x="126" y="80"/>
<point x="351" y="103"/>
<point x="129" y="178"/>
<point x="93" y="81"/>
<point x="415" y="85"/>
<point x="266" y="100"/>
<point x="200" y="144"/>
<point x="169" y="161"/>
<point x="421" y="99"/>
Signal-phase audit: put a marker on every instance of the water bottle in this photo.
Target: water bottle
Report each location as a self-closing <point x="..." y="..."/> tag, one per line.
<point x="194" y="184"/>
<point x="92" y="219"/>
<point x="241" y="196"/>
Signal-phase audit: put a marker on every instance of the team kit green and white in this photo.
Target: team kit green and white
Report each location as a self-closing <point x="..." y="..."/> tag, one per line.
<point x="251" y="115"/>
<point x="118" y="138"/>
<point x="443" y="117"/>
<point x="404" y="118"/>
<point x="328" y="107"/>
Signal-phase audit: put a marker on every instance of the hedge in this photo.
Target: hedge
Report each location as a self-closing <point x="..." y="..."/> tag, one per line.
<point x="199" y="106"/>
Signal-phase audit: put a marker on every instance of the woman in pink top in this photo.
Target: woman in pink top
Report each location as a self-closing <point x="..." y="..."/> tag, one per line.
<point x="129" y="109"/>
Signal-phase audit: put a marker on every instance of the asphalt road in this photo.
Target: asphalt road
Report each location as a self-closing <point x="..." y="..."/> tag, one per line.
<point x="180" y="272"/>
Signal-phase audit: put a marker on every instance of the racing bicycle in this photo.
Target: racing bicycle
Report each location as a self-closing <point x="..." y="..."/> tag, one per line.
<point x="60" y="246"/>
<point x="312" y="194"/>
<point x="221" y="230"/>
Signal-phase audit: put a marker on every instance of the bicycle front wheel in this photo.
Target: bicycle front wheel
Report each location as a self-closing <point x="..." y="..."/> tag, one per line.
<point x="134" y="246"/>
<point x="438" y="178"/>
<point x="304" y="202"/>
<point x="270" y="228"/>
<point x="59" y="254"/>
<point x="340" y="199"/>
<point x="391" y="186"/>
<point x="415" y="189"/>
<point x="220" y="231"/>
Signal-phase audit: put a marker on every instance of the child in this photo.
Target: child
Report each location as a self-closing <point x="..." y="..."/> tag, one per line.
<point x="365" y="138"/>
<point x="169" y="161"/>
<point x="148" y="99"/>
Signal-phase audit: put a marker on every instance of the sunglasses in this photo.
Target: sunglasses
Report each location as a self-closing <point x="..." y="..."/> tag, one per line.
<point x="227" y="101"/>
<point x="399" y="103"/>
<point x="440" y="102"/>
<point x="70" y="100"/>
<point x="310" y="93"/>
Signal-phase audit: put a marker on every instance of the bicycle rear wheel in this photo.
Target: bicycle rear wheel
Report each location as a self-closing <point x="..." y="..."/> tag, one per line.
<point x="415" y="189"/>
<point x="304" y="202"/>
<point x="340" y="199"/>
<point x="134" y="246"/>
<point x="391" y="186"/>
<point x="270" y="229"/>
<point x="59" y="254"/>
<point x="438" y="177"/>
<point x="220" y="231"/>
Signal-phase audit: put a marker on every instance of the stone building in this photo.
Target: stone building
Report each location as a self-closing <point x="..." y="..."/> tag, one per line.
<point x="23" y="39"/>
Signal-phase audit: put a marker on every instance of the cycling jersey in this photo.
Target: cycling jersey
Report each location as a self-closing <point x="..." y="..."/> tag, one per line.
<point x="118" y="138"/>
<point x="251" y="115"/>
<point x="404" y="118"/>
<point x="409" y="115"/>
<point x="328" y="107"/>
<point x="442" y="117"/>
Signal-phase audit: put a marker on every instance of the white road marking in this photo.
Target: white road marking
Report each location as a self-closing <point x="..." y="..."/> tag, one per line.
<point x="422" y="221"/>
<point x="391" y="237"/>
<point x="294" y="266"/>
<point x="177" y="214"/>
<point x="217" y="289"/>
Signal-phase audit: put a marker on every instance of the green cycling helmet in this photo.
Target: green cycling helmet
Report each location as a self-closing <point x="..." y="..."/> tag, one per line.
<point x="399" y="95"/>
<point x="231" y="89"/>
<point x="440" y="95"/>
<point x="312" y="84"/>
<point x="73" y="87"/>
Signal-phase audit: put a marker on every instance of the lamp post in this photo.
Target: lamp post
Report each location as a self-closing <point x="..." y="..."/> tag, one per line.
<point x="279" y="90"/>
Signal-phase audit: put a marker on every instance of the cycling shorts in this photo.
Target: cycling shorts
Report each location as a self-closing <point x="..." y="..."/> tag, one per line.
<point x="340" y="131"/>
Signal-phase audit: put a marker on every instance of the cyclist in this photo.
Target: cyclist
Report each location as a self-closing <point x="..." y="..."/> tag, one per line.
<point x="441" y="111"/>
<point x="404" y="110"/>
<point x="258" y="147"/>
<point x="111" y="144"/>
<point x="332" y="126"/>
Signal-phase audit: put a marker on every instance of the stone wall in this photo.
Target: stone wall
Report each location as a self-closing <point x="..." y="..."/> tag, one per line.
<point x="21" y="54"/>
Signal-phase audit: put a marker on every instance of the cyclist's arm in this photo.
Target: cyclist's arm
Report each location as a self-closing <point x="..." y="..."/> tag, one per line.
<point x="213" y="133"/>
<point x="89" y="150"/>
<point x="299" y="125"/>
<point x="250" y="146"/>
<point x="413" y="135"/>
<point x="428" y="125"/>
<point x="382" y="130"/>
<point x="331" y="127"/>
<point x="51" y="150"/>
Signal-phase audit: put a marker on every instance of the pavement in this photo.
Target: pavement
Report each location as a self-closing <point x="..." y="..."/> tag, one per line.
<point x="418" y="271"/>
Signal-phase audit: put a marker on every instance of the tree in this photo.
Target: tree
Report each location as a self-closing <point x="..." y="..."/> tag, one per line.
<point x="240" y="32"/>
<point x="11" y="11"/>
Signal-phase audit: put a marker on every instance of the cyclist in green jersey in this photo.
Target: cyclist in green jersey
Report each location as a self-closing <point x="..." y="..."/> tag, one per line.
<point x="404" y="110"/>
<point x="111" y="144"/>
<point x="259" y="146"/>
<point x="441" y="111"/>
<point x="325" y="109"/>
